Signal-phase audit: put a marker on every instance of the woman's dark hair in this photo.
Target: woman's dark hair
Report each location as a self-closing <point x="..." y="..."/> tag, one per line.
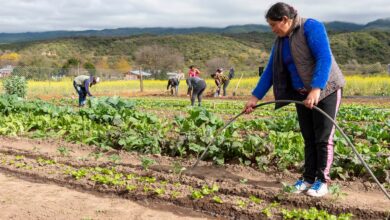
<point x="192" y="66"/>
<point x="280" y="9"/>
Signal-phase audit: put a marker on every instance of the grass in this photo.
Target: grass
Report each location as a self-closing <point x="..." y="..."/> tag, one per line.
<point x="356" y="85"/>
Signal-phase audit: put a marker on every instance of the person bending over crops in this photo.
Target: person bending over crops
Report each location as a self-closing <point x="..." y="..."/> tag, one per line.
<point x="82" y="84"/>
<point x="197" y="87"/>
<point x="301" y="67"/>
<point x="193" y="72"/>
<point x="221" y="80"/>
<point x="173" y="83"/>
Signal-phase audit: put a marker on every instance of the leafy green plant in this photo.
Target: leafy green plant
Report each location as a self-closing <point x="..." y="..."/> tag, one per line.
<point x="288" y="188"/>
<point x="15" y="85"/>
<point x="241" y="203"/>
<point x="63" y="151"/>
<point x="267" y="212"/>
<point x="131" y="187"/>
<point x="244" y="181"/>
<point x="78" y="174"/>
<point x="217" y="199"/>
<point x="159" y="191"/>
<point x="196" y="195"/>
<point x="335" y="190"/>
<point x="312" y="213"/>
<point x="115" y="158"/>
<point x="175" y="194"/>
<point x="255" y="199"/>
<point x="147" y="162"/>
<point x="177" y="168"/>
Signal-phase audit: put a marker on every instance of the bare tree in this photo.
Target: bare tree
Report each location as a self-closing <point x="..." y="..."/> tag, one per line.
<point x="159" y="59"/>
<point x="213" y="64"/>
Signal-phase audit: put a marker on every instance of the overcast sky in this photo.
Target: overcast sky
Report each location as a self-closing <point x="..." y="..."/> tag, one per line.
<point x="47" y="15"/>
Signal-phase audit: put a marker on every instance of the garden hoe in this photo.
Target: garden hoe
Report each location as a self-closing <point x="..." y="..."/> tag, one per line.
<point x="218" y="132"/>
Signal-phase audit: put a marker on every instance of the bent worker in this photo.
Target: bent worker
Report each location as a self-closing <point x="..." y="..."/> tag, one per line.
<point x="197" y="86"/>
<point x="222" y="81"/>
<point x="193" y="72"/>
<point x="173" y="83"/>
<point x="82" y="84"/>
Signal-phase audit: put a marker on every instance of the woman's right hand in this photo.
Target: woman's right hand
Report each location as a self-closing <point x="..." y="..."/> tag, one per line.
<point x="250" y="104"/>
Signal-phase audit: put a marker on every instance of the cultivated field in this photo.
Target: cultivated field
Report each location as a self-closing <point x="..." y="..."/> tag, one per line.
<point x="140" y="149"/>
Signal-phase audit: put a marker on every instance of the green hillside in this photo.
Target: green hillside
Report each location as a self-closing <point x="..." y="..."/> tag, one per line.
<point x="196" y="49"/>
<point x="246" y="51"/>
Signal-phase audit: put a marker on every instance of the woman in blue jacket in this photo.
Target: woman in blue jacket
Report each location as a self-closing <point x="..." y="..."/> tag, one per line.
<point x="301" y="67"/>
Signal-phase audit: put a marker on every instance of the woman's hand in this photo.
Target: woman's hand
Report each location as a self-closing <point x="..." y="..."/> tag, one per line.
<point x="312" y="98"/>
<point x="250" y="104"/>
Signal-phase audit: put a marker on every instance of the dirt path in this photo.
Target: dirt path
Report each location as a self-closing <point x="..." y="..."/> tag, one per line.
<point x="40" y="161"/>
<point x="24" y="199"/>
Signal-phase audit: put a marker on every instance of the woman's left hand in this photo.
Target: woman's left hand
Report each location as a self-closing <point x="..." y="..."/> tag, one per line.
<point x="312" y="98"/>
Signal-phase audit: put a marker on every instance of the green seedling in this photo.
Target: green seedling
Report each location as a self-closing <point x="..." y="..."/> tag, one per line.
<point x="43" y="162"/>
<point x="130" y="176"/>
<point x="288" y="188"/>
<point x="19" y="157"/>
<point x="63" y="151"/>
<point x="96" y="155"/>
<point x="244" y="181"/>
<point x="20" y="165"/>
<point x="147" y="189"/>
<point x="177" y="168"/>
<point x="335" y="190"/>
<point x="115" y="158"/>
<point x="175" y="194"/>
<point x="147" y="162"/>
<point x="131" y="187"/>
<point x="241" y="204"/>
<point x="78" y="174"/>
<point x="217" y="199"/>
<point x="196" y="195"/>
<point x="159" y="191"/>
<point x="267" y="212"/>
<point x="255" y="200"/>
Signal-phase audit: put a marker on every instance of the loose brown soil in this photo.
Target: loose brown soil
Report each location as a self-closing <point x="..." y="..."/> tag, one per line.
<point x="20" y="157"/>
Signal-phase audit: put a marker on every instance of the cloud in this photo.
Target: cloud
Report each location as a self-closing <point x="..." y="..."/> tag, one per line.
<point x="46" y="15"/>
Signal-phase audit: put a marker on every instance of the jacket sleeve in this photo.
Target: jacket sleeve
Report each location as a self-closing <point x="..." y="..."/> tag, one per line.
<point x="318" y="42"/>
<point x="265" y="82"/>
<point x="86" y="85"/>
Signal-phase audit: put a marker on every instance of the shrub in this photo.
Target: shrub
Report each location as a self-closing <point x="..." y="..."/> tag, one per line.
<point x="15" y="85"/>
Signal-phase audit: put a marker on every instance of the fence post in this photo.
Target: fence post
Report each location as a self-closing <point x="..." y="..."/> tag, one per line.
<point x="388" y="68"/>
<point x="141" y="82"/>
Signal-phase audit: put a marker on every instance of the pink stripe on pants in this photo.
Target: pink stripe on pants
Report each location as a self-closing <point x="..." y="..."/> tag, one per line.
<point x="330" y="141"/>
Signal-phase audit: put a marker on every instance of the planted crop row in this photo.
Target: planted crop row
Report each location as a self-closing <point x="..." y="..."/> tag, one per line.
<point x="137" y="183"/>
<point x="265" y="143"/>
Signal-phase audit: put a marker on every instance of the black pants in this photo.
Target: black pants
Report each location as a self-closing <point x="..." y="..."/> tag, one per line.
<point x="197" y="91"/>
<point x="318" y="132"/>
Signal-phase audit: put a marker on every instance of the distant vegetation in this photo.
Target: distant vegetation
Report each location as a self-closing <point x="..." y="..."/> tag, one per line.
<point x="245" y="49"/>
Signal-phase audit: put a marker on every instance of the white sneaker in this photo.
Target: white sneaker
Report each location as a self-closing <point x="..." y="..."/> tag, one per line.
<point x="301" y="186"/>
<point x="318" y="189"/>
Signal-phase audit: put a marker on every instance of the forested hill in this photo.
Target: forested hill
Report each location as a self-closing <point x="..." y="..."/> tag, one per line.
<point x="244" y="50"/>
<point x="336" y="26"/>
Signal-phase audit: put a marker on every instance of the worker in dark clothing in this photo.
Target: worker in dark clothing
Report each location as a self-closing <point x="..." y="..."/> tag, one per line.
<point x="197" y="86"/>
<point x="82" y="84"/>
<point x="173" y="83"/>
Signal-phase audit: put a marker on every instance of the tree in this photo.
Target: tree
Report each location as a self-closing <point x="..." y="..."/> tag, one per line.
<point x="122" y="65"/>
<point x="213" y="64"/>
<point x="10" y="58"/>
<point x="69" y="65"/>
<point x="159" y="59"/>
<point x="90" y="68"/>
